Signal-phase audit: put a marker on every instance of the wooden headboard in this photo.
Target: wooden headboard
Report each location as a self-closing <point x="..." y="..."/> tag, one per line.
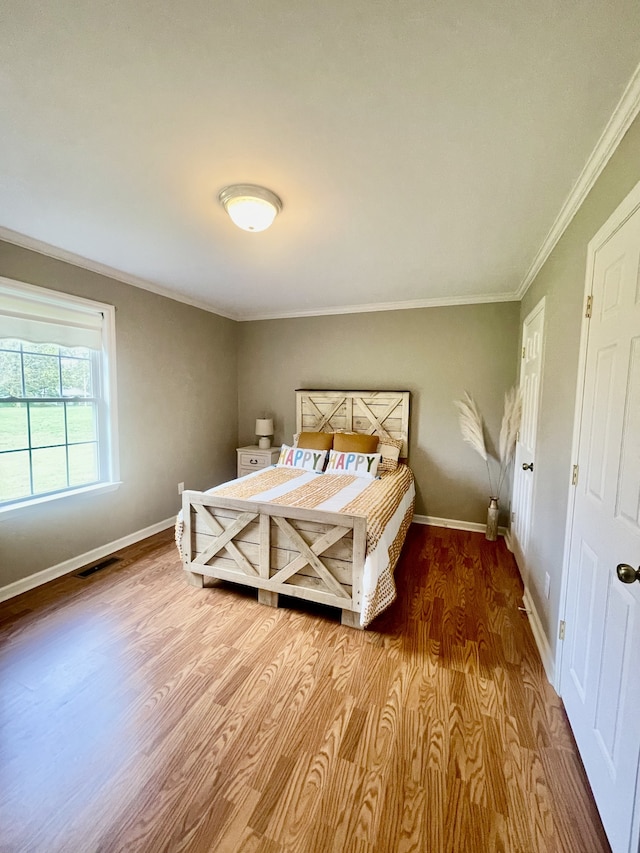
<point x="383" y="413"/>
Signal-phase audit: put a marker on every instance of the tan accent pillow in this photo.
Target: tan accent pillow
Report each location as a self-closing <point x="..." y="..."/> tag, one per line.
<point x="355" y="442"/>
<point x="390" y="449"/>
<point x="315" y="440"/>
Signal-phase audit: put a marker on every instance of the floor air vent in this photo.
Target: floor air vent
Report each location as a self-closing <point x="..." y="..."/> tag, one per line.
<point x="91" y="570"/>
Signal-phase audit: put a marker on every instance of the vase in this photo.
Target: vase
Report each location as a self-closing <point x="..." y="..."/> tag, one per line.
<point x="492" y="520"/>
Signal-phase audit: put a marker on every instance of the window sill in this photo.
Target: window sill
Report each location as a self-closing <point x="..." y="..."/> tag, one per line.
<point x="98" y="489"/>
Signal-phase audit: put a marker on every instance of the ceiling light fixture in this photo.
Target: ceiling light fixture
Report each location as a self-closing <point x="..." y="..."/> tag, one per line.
<point x="250" y="207"/>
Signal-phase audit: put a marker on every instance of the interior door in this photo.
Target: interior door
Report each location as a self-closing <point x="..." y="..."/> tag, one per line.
<point x="600" y="674"/>
<point x="524" y="471"/>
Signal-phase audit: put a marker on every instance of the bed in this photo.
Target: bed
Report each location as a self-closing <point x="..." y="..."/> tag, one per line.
<point x="329" y="538"/>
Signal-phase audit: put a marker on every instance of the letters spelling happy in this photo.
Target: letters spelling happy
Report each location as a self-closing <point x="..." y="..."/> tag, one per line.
<point x="350" y="461"/>
<point x="296" y="457"/>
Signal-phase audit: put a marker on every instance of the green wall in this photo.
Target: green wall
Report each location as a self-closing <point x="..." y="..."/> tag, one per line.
<point x="177" y="411"/>
<point x="562" y="281"/>
<point x="436" y="353"/>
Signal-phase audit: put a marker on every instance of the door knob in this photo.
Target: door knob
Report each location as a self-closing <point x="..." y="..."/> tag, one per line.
<point x="627" y="574"/>
<point x="527" y="466"/>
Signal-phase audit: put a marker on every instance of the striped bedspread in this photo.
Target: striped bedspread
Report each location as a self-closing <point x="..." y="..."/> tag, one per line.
<point x="387" y="504"/>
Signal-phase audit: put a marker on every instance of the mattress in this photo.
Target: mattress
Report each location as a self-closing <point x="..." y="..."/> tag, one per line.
<point x="387" y="503"/>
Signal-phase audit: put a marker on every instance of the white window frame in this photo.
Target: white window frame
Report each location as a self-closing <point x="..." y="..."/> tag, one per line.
<point x="108" y="445"/>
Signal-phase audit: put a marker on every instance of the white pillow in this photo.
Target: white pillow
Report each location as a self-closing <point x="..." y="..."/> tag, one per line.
<point x="356" y="464"/>
<point x="297" y="457"/>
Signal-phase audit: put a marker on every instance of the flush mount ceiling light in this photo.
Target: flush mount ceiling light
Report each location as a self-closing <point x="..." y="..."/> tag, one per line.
<point x="250" y="207"/>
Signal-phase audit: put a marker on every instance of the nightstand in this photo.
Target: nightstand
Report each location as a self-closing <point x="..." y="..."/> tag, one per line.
<point x="253" y="458"/>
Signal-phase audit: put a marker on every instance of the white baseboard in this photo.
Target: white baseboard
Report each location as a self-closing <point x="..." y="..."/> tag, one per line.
<point x="454" y="524"/>
<point x="46" y="575"/>
<point x="540" y="637"/>
<point x="508" y="539"/>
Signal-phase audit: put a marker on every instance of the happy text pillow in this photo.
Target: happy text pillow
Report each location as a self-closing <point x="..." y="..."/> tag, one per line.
<point x="356" y="464"/>
<point x="298" y="457"/>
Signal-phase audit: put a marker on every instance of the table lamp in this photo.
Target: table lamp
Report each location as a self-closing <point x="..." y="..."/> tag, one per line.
<point x="264" y="430"/>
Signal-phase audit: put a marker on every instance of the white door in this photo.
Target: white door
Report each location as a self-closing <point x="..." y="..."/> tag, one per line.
<point x="524" y="470"/>
<point x="600" y="675"/>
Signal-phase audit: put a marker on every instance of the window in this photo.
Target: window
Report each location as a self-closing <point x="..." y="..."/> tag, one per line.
<point x="57" y="395"/>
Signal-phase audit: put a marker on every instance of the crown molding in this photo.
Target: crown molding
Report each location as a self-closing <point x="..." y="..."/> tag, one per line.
<point x="68" y="257"/>
<point x="625" y="112"/>
<point x="437" y="302"/>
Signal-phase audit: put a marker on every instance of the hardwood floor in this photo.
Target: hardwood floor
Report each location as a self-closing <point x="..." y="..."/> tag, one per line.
<point x="138" y="713"/>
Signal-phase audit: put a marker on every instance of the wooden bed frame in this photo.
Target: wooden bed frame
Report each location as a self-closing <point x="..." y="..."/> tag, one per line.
<point x="310" y="554"/>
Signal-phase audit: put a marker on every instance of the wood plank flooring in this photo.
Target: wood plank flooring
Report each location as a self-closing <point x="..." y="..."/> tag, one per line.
<point x="140" y="714"/>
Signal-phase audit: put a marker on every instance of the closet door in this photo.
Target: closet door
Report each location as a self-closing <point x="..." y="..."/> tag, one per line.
<point x="600" y="681"/>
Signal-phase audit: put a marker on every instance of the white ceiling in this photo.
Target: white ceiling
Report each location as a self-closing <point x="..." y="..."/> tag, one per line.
<point x="422" y="149"/>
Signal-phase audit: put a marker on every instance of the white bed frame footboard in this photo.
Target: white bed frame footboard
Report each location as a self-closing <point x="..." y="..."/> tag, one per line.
<point x="304" y="553"/>
<point x="310" y="554"/>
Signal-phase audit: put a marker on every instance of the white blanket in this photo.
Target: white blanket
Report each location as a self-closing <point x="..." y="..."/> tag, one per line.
<point x="378" y="585"/>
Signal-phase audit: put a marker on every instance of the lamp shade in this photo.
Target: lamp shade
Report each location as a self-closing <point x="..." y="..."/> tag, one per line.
<point x="250" y="207"/>
<point x="264" y="426"/>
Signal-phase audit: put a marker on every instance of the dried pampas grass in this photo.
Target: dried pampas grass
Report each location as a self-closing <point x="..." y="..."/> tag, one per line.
<point x="472" y="428"/>
<point x="471" y="424"/>
<point x="509" y="431"/>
